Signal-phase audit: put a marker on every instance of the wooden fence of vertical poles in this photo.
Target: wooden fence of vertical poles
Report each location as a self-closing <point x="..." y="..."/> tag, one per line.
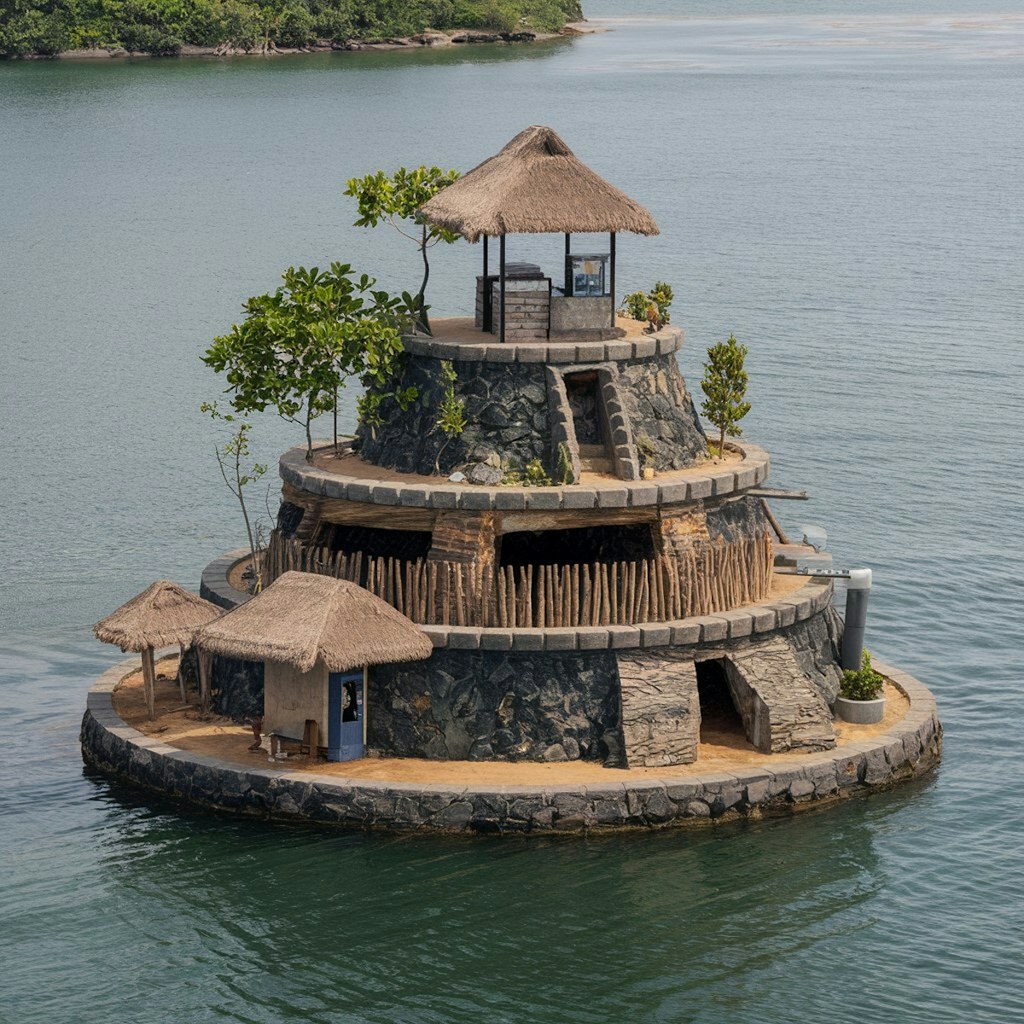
<point x="711" y="577"/>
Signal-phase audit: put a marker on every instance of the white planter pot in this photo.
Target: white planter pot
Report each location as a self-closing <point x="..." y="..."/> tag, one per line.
<point x="861" y="712"/>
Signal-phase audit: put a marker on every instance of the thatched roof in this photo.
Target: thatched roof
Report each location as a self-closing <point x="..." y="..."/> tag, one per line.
<point x="535" y="185"/>
<point x="303" y="618"/>
<point x="162" y="614"/>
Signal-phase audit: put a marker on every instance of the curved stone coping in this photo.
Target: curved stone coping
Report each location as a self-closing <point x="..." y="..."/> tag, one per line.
<point x="684" y="485"/>
<point x="810" y="599"/>
<point x="215" y="586"/>
<point x="909" y="748"/>
<point x="664" y="342"/>
<point x="813" y="597"/>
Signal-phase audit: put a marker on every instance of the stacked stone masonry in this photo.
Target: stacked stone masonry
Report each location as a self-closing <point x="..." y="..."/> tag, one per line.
<point x="910" y="748"/>
<point x="508" y="410"/>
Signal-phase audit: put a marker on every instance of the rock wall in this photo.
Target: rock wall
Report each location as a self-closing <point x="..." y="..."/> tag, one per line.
<point x="498" y="706"/>
<point x="237" y="688"/>
<point x="660" y="409"/>
<point x="509" y="417"/>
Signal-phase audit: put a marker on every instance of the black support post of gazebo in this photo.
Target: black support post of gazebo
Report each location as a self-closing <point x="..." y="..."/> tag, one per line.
<point x="611" y="276"/>
<point x="486" y="292"/>
<point x="501" y="271"/>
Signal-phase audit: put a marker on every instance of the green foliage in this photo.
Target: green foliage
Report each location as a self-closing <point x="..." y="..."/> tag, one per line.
<point x="660" y="297"/>
<point x="164" y="26"/>
<point x="651" y="306"/>
<point x="564" y="470"/>
<point x="532" y="474"/>
<point x="725" y="388"/>
<point x="635" y="305"/>
<point x="863" y="683"/>
<point x="395" y="200"/>
<point x="451" y="413"/>
<point x="646" y="451"/>
<point x="297" y="346"/>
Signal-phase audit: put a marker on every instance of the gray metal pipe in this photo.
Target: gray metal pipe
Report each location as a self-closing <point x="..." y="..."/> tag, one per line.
<point x="858" y="589"/>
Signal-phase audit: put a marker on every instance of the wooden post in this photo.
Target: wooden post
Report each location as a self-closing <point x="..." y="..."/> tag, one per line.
<point x="501" y="286"/>
<point x="149" y="680"/>
<point x="611" y="277"/>
<point x="205" y="664"/>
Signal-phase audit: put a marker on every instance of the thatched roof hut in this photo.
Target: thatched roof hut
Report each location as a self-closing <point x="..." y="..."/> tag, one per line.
<point x="303" y="619"/>
<point x="162" y="614"/>
<point x="536" y="184"/>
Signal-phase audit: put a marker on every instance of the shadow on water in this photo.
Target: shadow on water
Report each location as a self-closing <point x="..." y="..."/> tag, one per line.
<point x="378" y="926"/>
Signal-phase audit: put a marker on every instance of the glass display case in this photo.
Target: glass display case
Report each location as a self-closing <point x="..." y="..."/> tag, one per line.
<point x="586" y="275"/>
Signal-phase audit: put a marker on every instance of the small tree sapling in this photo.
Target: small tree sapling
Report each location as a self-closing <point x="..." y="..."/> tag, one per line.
<point x="725" y="388"/>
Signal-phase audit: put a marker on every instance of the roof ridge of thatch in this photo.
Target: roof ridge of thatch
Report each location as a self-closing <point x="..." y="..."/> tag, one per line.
<point x="305" y="618"/>
<point x="535" y="184"/>
<point x="162" y="614"/>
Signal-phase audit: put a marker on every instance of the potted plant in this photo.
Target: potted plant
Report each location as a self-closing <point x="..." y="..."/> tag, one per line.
<point x="860" y="699"/>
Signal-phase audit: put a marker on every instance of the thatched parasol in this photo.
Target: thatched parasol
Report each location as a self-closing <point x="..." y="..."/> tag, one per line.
<point x="302" y="619"/>
<point x="162" y="614"/>
<point x="536" y="184"/>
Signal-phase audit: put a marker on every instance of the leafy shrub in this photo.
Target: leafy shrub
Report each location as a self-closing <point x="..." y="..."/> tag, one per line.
<point x="533" y="474"/>
<point x="863" y="683"/>
<point x="651" y="306"/>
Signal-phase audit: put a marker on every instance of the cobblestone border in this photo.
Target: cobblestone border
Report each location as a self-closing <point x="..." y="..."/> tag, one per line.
<point x="664" y="342"/>
<point x="751" y="471"/>
<point x="806" y="602"/>
<point x="214" y="585"/>
<point x="909" y="749"/>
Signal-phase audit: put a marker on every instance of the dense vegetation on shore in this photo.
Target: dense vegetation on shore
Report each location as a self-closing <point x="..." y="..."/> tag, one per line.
<point x="46" y="27"/>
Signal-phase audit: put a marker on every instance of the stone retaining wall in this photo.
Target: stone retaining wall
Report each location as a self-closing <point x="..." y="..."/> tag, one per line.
<point x="910" y="748"/>
<point x="506" y="405"/>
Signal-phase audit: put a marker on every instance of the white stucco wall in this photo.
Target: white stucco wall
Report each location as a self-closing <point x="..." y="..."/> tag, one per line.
<point x="291" y="696"/>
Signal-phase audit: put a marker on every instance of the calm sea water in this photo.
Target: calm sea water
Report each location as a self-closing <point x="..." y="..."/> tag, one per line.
<point x="841" y="186"/>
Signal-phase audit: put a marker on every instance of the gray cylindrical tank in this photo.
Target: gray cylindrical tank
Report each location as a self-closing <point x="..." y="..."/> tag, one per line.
<point x="858" y="589"/>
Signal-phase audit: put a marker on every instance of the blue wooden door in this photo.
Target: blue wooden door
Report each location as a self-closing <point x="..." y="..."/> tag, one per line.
<point x="344" y="716"/>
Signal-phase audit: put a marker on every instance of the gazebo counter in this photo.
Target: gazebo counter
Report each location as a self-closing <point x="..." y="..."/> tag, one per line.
<point x="394" y="488"/>
<point x="518" y="410"/>
<point x="908" y="749"/>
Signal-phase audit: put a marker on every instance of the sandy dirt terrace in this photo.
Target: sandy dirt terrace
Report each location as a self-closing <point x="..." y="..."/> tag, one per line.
<point x="184" y="727"/>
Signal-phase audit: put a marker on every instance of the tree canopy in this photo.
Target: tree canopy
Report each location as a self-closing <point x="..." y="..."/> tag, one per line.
<point x="395" y="199"/>
<point x="299" y="345"/>
<point x="165" y="26"/>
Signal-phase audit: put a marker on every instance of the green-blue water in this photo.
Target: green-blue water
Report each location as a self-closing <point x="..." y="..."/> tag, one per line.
<point x="841" y="187"/>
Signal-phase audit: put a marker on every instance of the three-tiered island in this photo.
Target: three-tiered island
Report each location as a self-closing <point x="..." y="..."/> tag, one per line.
<point x="565" y="616"/>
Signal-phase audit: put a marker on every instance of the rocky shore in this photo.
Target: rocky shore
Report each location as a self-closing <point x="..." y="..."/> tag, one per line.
<point x="429" y="39"/>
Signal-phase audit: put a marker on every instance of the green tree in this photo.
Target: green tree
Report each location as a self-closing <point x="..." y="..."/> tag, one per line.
<point x="298" y="346"/>
<point x="233" y="458"/>
<point x="725" y="388"/>
<point x="395" y="199"/>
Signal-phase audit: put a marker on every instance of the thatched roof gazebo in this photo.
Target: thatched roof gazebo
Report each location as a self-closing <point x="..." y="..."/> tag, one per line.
<point x="316" y="636"/>
<point x="536" y="185"/>
<point x="303" y="619"/>
<point x="163" y="614"/>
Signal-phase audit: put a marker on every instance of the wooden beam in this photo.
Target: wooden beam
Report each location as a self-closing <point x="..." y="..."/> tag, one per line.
<point x="776" y="492"/>
<point x="357" y="513"/>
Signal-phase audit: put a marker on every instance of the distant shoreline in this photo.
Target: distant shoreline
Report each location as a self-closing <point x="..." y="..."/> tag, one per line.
<point x="428" y="39"/>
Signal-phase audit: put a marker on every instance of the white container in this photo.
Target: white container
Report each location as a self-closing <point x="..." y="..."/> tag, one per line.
<point x="861" y="712"/>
